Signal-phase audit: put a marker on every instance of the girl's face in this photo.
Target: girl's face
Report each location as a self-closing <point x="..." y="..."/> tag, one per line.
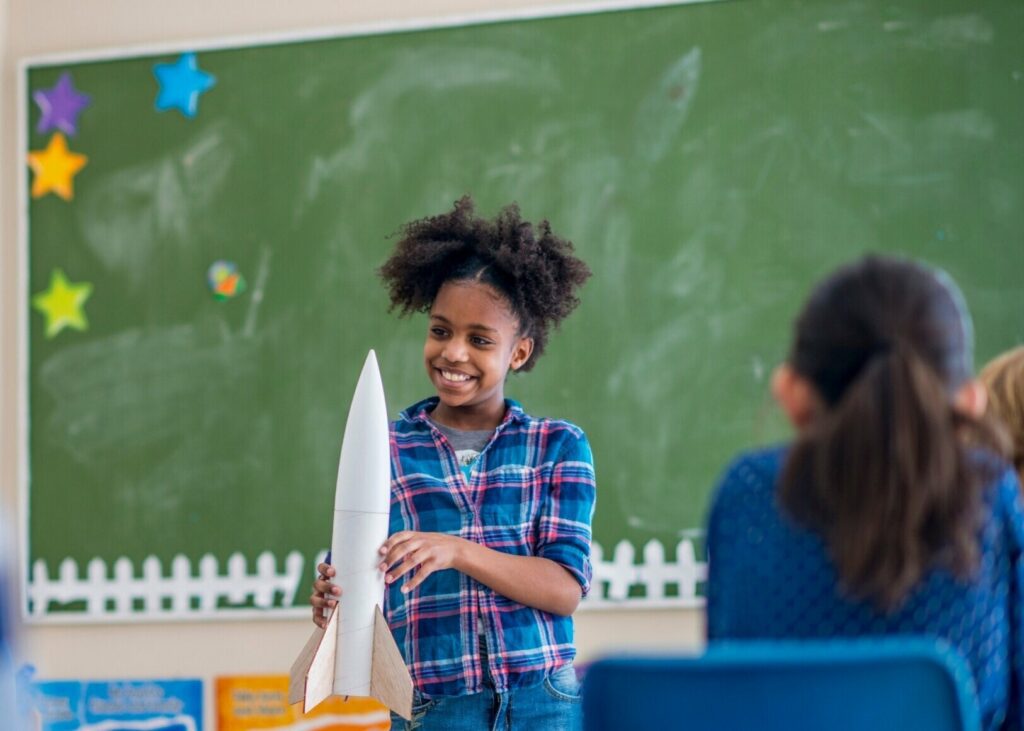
<point x="472" y="341"/>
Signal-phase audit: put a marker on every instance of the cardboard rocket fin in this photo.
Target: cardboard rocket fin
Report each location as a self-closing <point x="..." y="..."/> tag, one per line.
<point x="389" y="677"/>
<point x="300" y="668"/>
<point x="311" y="679"/>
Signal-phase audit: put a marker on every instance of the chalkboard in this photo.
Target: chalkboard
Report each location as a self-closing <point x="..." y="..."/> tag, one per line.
<point x="710" y="162"/>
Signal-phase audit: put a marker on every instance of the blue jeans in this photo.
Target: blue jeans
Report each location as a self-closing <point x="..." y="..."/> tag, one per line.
<point x="554" y="705"/>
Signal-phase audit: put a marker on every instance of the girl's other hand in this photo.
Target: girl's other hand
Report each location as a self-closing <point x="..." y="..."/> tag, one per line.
<point x="424" y="552"/>
<point x="325" y="595"/>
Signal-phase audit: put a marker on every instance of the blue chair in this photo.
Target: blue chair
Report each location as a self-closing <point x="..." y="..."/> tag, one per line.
<point x="841" y="685"/>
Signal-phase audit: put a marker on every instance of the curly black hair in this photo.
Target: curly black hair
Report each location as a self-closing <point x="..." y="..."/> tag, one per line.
<point x="532" y="268"/>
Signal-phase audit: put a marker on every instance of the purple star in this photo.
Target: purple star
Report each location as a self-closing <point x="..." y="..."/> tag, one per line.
<point x="60" y="106"/>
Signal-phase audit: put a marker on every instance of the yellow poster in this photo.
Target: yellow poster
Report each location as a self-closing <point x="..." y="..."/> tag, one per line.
<point x="249" y="702"/>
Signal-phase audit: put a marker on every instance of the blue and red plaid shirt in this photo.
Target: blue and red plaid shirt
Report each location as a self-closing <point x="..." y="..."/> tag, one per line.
<point x="530" y="493"/>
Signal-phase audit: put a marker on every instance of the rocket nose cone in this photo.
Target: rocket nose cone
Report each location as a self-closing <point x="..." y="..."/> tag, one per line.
<point x="364" y="468"/>
<point x="370" y="386"/>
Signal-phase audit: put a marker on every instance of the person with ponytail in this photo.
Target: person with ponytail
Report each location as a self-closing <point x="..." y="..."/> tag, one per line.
<point x="893" y="511"/>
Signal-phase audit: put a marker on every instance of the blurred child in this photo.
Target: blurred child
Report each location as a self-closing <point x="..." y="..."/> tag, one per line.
<point x="879" y="519"/>
<point x="1004" y="379"/>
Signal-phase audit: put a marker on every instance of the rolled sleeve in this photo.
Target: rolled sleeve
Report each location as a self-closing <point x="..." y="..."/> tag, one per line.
<point x="564" y="523"/>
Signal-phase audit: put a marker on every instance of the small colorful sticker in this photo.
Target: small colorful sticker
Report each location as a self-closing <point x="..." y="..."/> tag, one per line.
<point x="60" y="106"/>
<point x="224" y="280"/>
<point x="181" y="83"/>
<point x="62" y="304"/>
<point x="55" y="168"/>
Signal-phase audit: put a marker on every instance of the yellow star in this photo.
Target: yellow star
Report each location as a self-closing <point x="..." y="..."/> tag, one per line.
<point x="55" y="167"/>
<point x="62" y="304"/>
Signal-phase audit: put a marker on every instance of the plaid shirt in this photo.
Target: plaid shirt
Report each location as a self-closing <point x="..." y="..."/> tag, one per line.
<point x="530" y="493"/>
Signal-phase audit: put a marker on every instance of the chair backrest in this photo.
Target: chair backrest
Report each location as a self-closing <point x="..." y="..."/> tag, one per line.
<point x="8" y="682"/>
<point x="842" y="685"/>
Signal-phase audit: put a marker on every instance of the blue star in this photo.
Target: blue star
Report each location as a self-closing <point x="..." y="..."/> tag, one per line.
<point x="181" y="83"/>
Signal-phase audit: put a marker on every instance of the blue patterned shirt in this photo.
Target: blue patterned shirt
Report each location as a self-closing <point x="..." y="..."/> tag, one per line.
<point x="769" y="578"/>
<point x="530" y="492"/>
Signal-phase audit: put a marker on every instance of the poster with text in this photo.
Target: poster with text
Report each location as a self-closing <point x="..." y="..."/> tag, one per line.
<point x="249" y="702"/>
<point x="119" y="705"/>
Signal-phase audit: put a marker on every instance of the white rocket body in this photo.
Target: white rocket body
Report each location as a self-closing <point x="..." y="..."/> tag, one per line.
<point x="355" y="655"/>
<point x="362" y="502"/>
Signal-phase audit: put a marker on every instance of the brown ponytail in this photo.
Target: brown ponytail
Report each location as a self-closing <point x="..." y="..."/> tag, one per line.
<point x="883" y="474"/>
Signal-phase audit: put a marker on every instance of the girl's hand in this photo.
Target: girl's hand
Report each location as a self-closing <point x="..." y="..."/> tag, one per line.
<point x="424" y="552"/>
<point x="325" y="595"/>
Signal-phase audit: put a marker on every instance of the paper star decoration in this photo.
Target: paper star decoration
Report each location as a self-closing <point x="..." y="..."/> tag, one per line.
<point x="181" y="83"/>
<point x="60" y="106"/>
<point x="62" y="304"/>
<point x="55" y="167"/>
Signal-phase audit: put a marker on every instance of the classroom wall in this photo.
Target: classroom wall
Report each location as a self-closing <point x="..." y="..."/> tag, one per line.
<point x="35" y="27"/>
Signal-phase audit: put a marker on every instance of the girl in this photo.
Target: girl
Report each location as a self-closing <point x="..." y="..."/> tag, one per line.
<point x="489" y="552"/>
<point x="879" y="519"/>
<point x="1004" y="379"/>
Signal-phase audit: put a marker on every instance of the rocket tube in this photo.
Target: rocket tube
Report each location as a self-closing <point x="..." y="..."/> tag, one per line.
<point x="361" y="509"/>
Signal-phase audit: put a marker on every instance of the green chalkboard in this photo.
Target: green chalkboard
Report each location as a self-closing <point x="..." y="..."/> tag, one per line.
<point x="710" y="161"/>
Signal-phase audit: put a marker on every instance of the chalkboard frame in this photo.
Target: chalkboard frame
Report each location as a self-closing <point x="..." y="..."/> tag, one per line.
<point x="620" y="572"/>
<point x="23" y="311"/>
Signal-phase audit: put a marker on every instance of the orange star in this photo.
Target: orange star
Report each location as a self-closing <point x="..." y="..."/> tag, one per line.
<point x="55" y="167"/>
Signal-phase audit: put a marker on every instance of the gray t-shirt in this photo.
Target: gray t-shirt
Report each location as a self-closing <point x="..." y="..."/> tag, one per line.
<point x="467" y="444"/>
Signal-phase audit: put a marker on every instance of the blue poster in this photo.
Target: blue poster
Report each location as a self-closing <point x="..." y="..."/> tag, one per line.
<point x="119" y="705"/>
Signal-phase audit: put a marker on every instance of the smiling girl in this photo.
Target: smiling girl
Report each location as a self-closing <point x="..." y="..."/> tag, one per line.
<point x="489" y="552"/>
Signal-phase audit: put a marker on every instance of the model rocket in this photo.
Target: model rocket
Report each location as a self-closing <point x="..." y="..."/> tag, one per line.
<point x="356" y="654"/>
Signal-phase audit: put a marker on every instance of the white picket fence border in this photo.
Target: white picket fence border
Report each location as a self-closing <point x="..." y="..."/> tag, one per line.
<point x="178" y="595"/>
<point x="654" y="574"/>
<point x="182" y="593"/>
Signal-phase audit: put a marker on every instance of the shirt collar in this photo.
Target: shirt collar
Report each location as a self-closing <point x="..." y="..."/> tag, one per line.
<point x="419" y="411"/>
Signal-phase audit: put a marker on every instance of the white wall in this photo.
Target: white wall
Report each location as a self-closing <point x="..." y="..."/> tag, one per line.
<point x="35" y="27"/>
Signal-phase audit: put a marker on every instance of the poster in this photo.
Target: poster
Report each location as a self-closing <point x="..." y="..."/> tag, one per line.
<point x="249" y="702"/>
<point x="118" y="705"/>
